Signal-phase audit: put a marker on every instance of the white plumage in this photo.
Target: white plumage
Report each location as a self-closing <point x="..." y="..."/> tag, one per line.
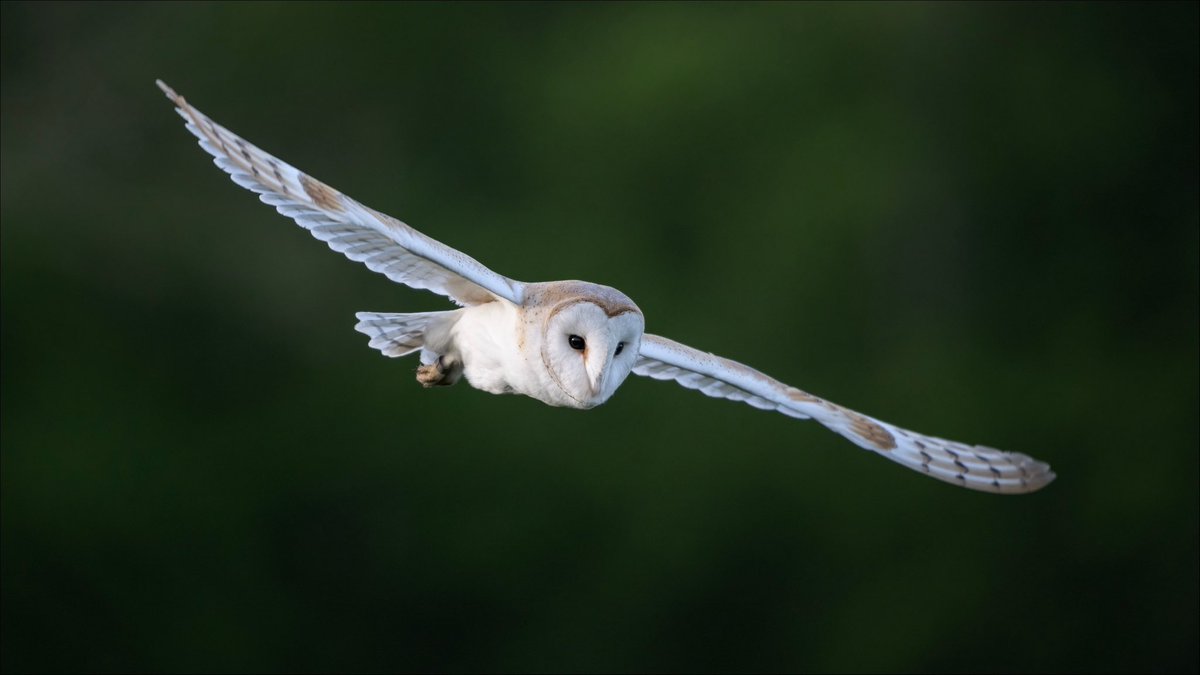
<point x="566" y="343"/>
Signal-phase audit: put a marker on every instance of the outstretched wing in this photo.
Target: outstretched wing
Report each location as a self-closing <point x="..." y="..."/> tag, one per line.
<point x="382" y="243"/>
<point x="971" y="466"/>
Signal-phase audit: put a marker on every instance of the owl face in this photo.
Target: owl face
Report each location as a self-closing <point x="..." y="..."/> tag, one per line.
<point x="589" y="347"/>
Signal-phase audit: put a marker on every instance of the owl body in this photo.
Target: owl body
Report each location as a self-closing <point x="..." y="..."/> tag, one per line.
<point x="565" y="343"/>
<point x="483" y="340"/>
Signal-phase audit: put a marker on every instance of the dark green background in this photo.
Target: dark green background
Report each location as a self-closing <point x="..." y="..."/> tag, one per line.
<point x="976" y="221"/>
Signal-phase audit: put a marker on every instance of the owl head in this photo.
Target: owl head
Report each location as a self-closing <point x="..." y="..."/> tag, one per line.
<point x="590" y="341"/>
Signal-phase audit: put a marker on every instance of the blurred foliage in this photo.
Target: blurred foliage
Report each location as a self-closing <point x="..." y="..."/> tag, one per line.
<point x="974" y="220"/>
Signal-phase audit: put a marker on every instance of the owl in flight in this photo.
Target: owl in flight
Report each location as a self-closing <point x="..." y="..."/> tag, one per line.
<point x="565" y="343"/>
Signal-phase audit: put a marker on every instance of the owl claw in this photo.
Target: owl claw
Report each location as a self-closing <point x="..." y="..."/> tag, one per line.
<point x="434" y="374"/>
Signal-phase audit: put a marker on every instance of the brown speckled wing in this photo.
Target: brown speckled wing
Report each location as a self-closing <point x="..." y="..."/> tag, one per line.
<point x="382" y="243"/>
<point x="970" y="466"/>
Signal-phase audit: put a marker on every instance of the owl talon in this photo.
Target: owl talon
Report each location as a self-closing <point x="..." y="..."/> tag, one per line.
<point x="433" y="374"/>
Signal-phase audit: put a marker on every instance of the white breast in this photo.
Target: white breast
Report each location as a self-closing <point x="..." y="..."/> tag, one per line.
<point x="486" y="339"/>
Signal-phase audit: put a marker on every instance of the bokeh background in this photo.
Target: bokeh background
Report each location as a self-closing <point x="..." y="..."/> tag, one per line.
<point x="978" y="221"/>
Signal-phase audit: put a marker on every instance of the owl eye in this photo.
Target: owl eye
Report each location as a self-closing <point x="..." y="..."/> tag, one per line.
<point x="576" y="342"/>
<point x="620" y="346"/>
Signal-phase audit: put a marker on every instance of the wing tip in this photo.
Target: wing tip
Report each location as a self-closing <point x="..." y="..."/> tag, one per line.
<point x="1044" y="477"/>
<point x="170" y="93"/>
<point x="1035" y="476"/>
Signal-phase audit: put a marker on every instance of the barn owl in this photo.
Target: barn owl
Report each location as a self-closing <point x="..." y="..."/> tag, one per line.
<point x="565" y="343"/>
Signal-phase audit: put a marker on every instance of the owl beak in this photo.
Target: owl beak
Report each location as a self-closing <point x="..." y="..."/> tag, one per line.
<point x="596" y="381"/>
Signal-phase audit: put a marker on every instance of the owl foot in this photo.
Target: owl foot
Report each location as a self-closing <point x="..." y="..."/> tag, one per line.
<point x="435" y="374"/>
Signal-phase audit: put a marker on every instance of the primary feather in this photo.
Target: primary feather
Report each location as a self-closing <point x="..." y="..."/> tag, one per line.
<point x="384" y="244"/>
<point x="975" y="467"/>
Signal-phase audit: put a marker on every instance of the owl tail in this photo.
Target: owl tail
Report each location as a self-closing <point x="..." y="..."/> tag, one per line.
<point x="396" y="334"/>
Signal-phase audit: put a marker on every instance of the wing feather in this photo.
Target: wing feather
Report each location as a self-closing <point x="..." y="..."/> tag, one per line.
<point x="384" y="244"/>
<point x="971" y="466"/>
